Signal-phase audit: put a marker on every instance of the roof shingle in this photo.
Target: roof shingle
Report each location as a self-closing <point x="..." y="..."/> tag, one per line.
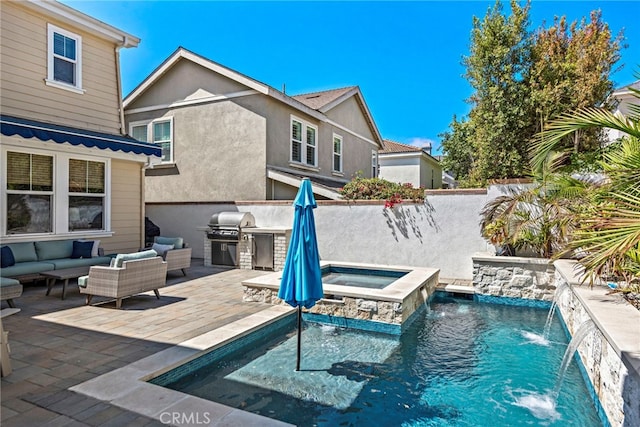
<point x="317" y="100"/>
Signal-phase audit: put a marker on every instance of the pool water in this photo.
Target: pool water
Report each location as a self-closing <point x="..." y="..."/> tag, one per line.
<point x="459" y="363"/>
<point x="363" y="278"/>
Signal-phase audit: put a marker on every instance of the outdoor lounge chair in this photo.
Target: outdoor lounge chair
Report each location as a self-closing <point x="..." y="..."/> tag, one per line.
<point x="130" y="274"/>
<point x="178" y="257"/>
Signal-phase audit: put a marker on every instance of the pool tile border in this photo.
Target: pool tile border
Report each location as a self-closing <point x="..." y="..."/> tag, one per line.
<point x="127" y="387"/>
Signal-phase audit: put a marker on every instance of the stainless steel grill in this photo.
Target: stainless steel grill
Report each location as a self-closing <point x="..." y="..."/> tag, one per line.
<point x="224" y="233"/>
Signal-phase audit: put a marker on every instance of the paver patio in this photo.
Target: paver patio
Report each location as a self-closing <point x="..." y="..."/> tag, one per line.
<point x="56" y="344"/>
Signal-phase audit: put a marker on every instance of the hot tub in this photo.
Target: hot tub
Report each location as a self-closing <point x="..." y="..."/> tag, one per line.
<point x="381" y="293"/>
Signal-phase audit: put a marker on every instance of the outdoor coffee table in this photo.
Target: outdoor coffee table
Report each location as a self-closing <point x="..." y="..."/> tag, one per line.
<point x="64" y="274"/>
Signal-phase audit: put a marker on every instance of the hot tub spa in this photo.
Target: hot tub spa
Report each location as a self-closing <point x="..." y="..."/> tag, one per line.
<point x="354" y="292"/>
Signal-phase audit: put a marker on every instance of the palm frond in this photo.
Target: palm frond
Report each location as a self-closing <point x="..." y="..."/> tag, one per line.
<point x="548" y="140"/>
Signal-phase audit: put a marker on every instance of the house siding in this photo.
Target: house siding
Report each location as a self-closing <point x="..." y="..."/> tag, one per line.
<point x="23" y="92"/>
<point x="127" y="208"/>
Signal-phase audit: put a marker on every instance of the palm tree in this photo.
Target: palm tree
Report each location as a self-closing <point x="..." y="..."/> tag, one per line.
<point x="610" y="232"/>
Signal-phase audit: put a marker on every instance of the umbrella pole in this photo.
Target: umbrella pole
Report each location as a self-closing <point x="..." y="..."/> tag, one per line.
<point x="299" y="336"/>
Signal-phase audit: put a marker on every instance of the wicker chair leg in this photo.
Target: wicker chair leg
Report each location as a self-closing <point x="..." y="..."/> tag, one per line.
<point x="11" y="303"/>
<point x="157" y="293"/>
<point x="118" y="303"/>
<point x="184" y="272"/>
<point x="88" y="301"/>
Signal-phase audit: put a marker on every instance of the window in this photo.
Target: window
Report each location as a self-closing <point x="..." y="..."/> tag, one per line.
<point x="54" y="194"/>
<point x="374" y="164"/>
<point x="303" y="142"/>
<point x="29" y="193"/>
<point x="86" y="195"/>
<point x="64" y="52"/>
<point x="337" y="153"/>
<point x="159" y="132"/>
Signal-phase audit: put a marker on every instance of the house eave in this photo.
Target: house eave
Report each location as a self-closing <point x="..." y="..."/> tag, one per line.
<point x="78" y="19"/>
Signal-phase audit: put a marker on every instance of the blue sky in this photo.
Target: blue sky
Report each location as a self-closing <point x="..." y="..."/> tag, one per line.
<point x="405" y="56"/>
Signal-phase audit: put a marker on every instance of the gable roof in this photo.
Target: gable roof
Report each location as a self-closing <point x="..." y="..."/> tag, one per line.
<point x="397" y="149"/>
<point x="317" y="100"/>
<point x="329" y="99"/>
<point x="389" y="147"/>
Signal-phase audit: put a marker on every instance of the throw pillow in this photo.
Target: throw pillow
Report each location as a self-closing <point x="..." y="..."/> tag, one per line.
<point x="6" y="257"/>
<point x="81" y="249"/>
<point x="94" y="249"/>
<point x="161" y="249"/>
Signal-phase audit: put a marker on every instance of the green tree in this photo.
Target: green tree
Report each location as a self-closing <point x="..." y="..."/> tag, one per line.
<point x="570" y="69"/>
<point x="459" y="152"/>
<point x="497" y="69"/>
<point x="523" y="80"/>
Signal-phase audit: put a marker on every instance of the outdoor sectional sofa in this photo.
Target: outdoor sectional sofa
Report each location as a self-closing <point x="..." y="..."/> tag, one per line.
<point x="32" y="258"/>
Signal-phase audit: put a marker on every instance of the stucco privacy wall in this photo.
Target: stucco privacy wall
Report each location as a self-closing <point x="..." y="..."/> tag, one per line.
<point x="610" y="354"/>
<point x="441" y="233"/>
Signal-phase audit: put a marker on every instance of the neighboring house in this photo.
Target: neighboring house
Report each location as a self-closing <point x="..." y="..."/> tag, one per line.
<point x="620" y="100"/>
<point x="68" y="170"/>
<point x="409" y="164"/>
<point x="227" y="137"/>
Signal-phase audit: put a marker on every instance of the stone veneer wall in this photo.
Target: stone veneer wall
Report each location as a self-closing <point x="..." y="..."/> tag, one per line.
<point x="354" y="307"/>
<point x="515" y="277"/>
<point x="280" y="247"/>
<point x="616" y="384"/>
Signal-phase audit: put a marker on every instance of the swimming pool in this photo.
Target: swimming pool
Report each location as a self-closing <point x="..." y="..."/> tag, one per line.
<point x="459" y="363"/>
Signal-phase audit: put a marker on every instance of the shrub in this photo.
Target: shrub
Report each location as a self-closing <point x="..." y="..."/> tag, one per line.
<point x="380" y="189"/>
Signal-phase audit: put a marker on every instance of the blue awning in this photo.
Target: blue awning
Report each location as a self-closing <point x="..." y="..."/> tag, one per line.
<point x="11" y="126"/>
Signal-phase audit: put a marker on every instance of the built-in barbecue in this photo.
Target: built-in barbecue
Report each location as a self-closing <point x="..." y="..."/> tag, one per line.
<point x="224" y="234"/>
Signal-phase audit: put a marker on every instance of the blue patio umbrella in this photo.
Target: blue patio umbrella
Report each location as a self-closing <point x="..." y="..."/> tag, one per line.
<point x="301" y="284"/>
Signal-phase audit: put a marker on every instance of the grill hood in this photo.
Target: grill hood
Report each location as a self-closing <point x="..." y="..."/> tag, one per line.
<point x="232" y="219"/>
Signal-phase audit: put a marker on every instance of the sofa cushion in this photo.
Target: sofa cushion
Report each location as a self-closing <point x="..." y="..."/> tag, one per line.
<point x="24" y="252"/>
<point x="28" y="267"/>
<point x="54" y="249"/>
<point x="121" y="258"/>
<point x="81" y="249"/>
<point x="161" y="249"/>
<point x="59" y="264"/>
<point x="6" y="257"/>
<point x="9" y="288"/>
<point x="177" y="242"/>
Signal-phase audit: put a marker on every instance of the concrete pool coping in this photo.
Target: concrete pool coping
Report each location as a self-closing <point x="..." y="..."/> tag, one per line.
<point x="127" y="387"/>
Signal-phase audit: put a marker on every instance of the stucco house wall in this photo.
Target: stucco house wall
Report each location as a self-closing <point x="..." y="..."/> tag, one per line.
<point x="231" y="134"/>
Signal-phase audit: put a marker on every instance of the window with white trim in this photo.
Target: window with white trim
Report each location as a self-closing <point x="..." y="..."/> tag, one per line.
<point x="64" y="59"/>
<point x="304" y="138"/>
<point x="29" y="193"/>
<point x="337" y="153"/>
<point x="54" y="194"/>
<point x="86" y="195"/>
<point x="159" y="131"/>
<point x="374" y="163"/>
